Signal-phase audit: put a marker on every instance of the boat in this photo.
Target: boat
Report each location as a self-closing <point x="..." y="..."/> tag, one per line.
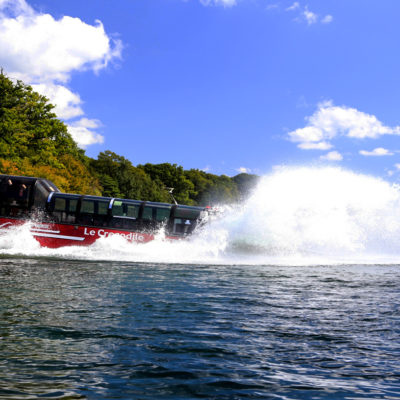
<point x="58" y="219"/>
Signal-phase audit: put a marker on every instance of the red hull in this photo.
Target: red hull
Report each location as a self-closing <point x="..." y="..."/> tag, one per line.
<point x="59" y="235"/>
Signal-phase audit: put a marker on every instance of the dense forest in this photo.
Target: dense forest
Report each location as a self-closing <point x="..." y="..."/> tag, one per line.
<point x="34" y="142"/>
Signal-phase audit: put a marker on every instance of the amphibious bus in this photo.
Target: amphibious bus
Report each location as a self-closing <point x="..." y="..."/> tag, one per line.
<point x="61" y="219"/>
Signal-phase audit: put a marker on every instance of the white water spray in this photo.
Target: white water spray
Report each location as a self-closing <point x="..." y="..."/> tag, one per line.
<point x="295" y="215"/>
<point x="325" y="211"/>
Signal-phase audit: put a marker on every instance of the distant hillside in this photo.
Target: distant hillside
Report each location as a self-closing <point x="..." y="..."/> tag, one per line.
<point x="33" y="141"/>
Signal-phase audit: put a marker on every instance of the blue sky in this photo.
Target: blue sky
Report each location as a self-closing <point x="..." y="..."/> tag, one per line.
<point x="220" y="85"/>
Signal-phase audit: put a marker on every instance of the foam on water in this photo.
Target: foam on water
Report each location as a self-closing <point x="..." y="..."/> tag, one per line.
<point x="295" y="216"/>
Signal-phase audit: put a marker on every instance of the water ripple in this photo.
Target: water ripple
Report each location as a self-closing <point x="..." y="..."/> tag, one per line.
<point x="100" y="330"/>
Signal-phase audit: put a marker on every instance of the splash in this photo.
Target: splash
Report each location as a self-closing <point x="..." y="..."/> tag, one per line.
<point x="325" y="211"/>
<point x="295" y="216"/>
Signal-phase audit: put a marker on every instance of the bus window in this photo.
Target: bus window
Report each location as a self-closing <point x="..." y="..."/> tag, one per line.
<point x="117" y="209"/>
<point x="125" y="214"/>
<point x="187" y="212"/>
<point x="63" y="207"/>
<point x="182" y="226"/>
<point x="59" y="204"/>
<point x="100" y="217"/>
<point x="162" y="214"/>
<point x="94" y="211"/>
<point x="185" y="219"/>
<point x="159" y="214"/>
<point x="22" y="196"/>
<point x="132" y="211"/>
<point x="15" y="195"/>
<point x="73" y="203"/>
<point x="102" y="207"/>
<point x="154" y="215"/>
<point x="87" y="207"/>
<point x="147" y="213"/>
<point x="41" y="195"/>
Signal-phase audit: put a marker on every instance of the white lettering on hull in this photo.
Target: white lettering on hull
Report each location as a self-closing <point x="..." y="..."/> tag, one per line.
<point x="133" y="236"/>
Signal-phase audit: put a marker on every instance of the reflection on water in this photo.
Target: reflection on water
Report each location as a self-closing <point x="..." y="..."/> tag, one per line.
<point x="102" y="330"/>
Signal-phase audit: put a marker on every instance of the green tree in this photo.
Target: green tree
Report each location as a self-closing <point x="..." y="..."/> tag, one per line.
<point x="33" y="141"/>
<point x="120" y="178"/>
<point x="222" y="189"/>
<point x="172" y="176"/>
<point x="212" y="189"/>
<point x="201" y="182"/>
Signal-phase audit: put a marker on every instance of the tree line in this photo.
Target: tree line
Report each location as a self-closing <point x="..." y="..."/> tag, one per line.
<point x="34" y="142"/>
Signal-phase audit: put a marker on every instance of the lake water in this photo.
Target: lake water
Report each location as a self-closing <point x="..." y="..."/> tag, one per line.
<point x="117" y="330"/>
<point x="294" y="295"/>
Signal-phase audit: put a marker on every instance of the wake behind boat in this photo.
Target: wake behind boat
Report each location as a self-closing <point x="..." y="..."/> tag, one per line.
<point x="63" y="219"/>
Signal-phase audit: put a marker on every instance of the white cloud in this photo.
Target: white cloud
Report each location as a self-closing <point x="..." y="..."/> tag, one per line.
<point x="36" y="47"/>
<point x="315" y="146"/>
<point x="68" y="104"/>
<point x="89" y="123"/>
<point x="327" y="19"/>
<point x="397" y="166"/>
<point x="307" y="15"/>
<point x="82" y="132"/>
<point x="379" y="151"/>
<point x="330" y="121"/>
<point x="243" y="170"/>
<point x="225" y="3"/>
<point x="44" y="51"/>
<point x="332" y="156"/>
<point x="294" y="6"/>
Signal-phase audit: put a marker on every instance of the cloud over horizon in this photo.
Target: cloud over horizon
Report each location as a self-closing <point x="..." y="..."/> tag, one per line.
<point x="44" y="52"/>
<point x="330" y="122"/>
<point x="243" y="170"/>
<point x="378" y="152"/>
